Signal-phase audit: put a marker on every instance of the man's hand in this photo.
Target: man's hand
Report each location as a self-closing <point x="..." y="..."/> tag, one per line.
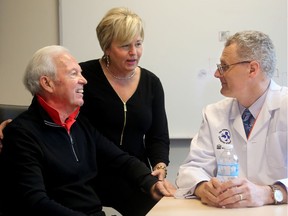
<point x="162" y="188"/>
<point x="240" y="192"/>
<point x="208" y="192"/>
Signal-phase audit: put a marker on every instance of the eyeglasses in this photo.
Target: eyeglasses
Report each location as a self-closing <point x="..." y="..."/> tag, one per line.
<point x="223" y="68"/>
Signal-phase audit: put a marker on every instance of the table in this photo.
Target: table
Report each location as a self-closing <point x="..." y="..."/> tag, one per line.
<point x="169" y="206"/>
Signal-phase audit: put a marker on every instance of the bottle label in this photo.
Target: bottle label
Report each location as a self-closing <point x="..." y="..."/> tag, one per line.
<point x="229" y="170"/>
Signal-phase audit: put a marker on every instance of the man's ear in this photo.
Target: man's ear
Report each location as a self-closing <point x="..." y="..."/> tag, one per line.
<point x="47" y="84"/>
<point x="254" y="68"/>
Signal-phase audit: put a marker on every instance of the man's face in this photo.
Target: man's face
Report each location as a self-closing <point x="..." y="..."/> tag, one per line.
<point x="68" y="84"/>
<point x="234" y="80"/>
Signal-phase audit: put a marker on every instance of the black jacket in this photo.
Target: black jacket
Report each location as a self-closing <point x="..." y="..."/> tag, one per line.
<point x="47" y="171"/>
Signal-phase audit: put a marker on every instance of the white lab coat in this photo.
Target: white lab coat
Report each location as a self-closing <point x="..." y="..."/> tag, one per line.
<point x="262" y="158"/>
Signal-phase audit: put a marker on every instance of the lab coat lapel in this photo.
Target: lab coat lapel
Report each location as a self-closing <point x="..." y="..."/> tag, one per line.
<point x="272" y="102"/>
<point x="237" y="120"/>
<point x="260" y="125"/>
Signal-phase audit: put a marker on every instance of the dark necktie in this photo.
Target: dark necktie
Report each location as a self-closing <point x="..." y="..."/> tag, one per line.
<point x="248" y="121"/>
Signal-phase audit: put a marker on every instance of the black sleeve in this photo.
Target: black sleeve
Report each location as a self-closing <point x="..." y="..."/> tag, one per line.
<point x="109" y="156"/>
<point x="157" y="139"/>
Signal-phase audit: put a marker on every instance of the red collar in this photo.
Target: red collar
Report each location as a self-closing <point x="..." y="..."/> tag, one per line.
<point x="55" y="115"/>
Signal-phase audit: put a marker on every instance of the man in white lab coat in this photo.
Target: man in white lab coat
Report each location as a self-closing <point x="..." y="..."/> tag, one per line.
<point x="247" y="65"/>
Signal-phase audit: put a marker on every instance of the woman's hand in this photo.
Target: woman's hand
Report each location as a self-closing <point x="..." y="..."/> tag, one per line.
<point x="2" y="126"/>
<point x="160" y="170"/>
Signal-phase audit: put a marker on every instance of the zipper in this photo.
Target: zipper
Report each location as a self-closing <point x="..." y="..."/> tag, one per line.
<point x="124" y="123"/>
<point x="73" y="149"/>
<point x="52" y="124"/>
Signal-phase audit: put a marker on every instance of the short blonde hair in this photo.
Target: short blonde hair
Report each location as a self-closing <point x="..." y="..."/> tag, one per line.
<point x="120" y="24"/>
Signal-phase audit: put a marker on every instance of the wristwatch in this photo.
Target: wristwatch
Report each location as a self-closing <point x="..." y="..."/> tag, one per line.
<point x="277" y="194"/>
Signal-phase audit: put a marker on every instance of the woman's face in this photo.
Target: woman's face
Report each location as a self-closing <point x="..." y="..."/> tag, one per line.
<point x="125" y="57"/>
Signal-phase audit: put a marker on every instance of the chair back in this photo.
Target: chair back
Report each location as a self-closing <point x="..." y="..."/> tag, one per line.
<point x="10" y="111"/>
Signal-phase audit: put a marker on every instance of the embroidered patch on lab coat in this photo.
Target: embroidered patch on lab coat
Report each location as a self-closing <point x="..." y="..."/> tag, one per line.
<point x="224" y="136"/>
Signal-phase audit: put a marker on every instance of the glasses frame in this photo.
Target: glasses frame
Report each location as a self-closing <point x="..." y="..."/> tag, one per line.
<point x="223" y="68"/>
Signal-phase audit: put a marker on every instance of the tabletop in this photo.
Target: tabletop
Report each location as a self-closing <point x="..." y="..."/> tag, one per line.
<point x="169" y="206"/>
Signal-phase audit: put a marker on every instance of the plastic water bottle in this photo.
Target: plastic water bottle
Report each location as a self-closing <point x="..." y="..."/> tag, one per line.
<point x="228" y="166"/>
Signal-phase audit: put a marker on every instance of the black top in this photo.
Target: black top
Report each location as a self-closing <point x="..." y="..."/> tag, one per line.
<point x="145" y="132"/>
<point x="46" y="171"/>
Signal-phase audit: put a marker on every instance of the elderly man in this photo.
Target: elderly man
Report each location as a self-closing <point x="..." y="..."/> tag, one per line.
<point x="51" y="153"/>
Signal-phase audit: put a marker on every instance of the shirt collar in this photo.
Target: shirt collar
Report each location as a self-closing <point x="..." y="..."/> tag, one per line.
<point x="255" y="108"/>
<point x="55" y="115"/>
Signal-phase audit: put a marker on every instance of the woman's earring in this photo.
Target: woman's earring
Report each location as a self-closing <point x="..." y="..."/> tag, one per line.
<point x="107" y="61"/>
